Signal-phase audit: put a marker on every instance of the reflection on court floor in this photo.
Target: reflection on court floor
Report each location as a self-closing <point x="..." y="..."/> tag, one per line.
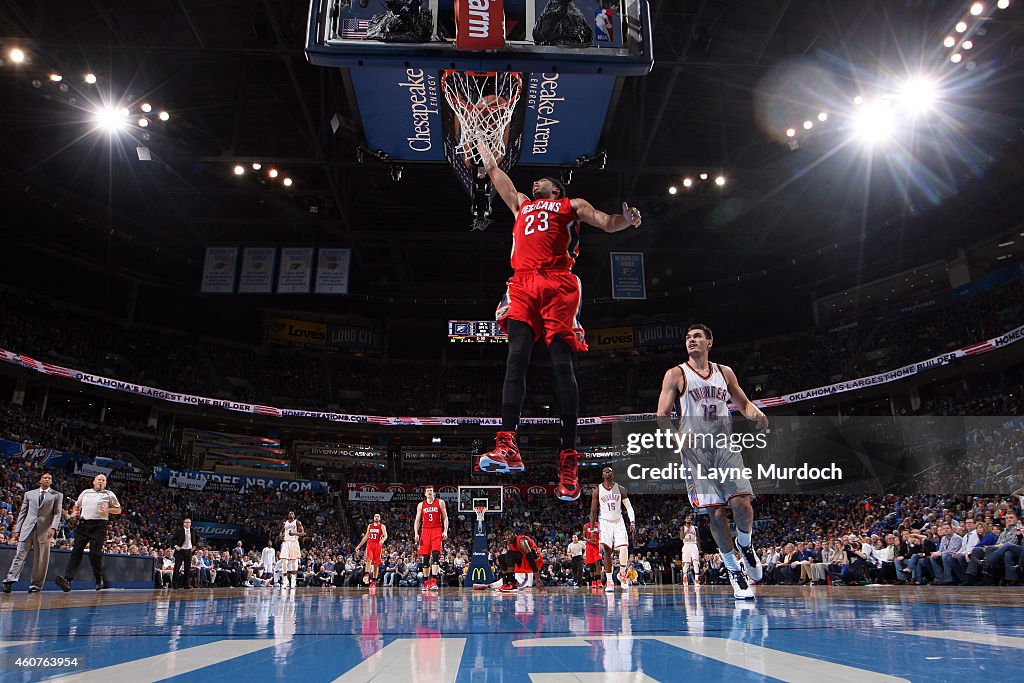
<point x="648" y="634"/>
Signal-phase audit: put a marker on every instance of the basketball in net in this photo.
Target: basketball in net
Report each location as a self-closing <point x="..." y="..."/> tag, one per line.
<point x="483" y="103"/>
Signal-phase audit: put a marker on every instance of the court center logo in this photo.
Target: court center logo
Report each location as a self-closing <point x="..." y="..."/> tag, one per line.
<point x="421" y="88"/>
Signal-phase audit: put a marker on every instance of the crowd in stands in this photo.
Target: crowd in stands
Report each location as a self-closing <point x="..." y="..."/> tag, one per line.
<point x="393" y="386"/>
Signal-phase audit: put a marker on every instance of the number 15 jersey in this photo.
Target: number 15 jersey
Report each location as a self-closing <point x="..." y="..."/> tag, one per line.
<point x="545" y="235"/>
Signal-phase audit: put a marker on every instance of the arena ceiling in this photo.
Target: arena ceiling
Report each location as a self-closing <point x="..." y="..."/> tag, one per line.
<point x="729" y="77"/>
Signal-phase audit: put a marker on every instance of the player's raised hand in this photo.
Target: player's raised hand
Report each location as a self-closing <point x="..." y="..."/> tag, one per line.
<point x="631" y="214"/>
<point x="761" y="420"/>
<point x="484" y="149"/>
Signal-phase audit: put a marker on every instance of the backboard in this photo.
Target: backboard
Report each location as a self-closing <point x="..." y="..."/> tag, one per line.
<point x="619" y="37"/>
<point x="494" y="496"/>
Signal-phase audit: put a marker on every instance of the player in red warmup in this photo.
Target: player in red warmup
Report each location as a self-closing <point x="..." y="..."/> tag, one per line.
<point x="592" y="556"/>
<point x="542" y="302"/>
<point x="522" y="556"/>
<point x="433" y="516"/>
<point x="376" y="534"/>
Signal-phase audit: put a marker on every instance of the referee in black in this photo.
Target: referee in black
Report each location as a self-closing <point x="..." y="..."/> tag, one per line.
<point x="94" y="506"/>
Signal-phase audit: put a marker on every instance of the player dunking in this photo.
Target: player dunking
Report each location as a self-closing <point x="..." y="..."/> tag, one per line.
<point x="608" y="500"/>
<point x="290" y="551"/>
<point x="703" y="390"/>
<point x="592" y="554"/>
<point x="430" y="528"/>
<point x="376" y="534"/>
<point x="543" y="302"/>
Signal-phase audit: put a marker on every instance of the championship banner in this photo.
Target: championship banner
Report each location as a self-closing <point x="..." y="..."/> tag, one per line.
<point x="296" y="270"/>
<point x="301" y="332"/>
<point x="219" y="270"/>
<point x="610" y="338"/>
<point x="628" y="275"/>
<point x="257" y="275"/>
<point x="1011" y="337"/>
<point x="332" y="271"/>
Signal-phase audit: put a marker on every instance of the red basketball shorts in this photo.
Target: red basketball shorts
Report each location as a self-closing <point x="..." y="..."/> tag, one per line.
<point x="430" y="540"/>
<point x="593" y="554"/>
<point x="548" y="301"/>
<point x="373" y="551"/>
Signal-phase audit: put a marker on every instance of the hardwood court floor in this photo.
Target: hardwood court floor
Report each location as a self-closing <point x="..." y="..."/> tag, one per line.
<point x="649" y="633"/>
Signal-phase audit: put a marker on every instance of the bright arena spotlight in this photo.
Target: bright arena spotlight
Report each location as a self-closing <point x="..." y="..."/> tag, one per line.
<point x="873" y="124"/>
<point x="164" y="116"/>
<point x="790" y="132"/>
<point x="90" y="78"/>
<point x="288" y="182"/>
<point x="687" y="182"/>
<point x="146" y="107"/>
<point x="977" y="8"/>
<point x="673" y="189"/>
<point x="239" y="169"/>
<point x="720" y="180"/>
<point x="917" y="95"/>
<point x="110" y="119"/>
<point x="17" y="55"/>
<point x="1003" y="4"/>
<point x="961" y="26"/>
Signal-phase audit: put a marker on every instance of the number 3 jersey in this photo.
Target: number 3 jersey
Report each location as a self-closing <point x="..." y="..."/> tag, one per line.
<point x="545" y="236"/>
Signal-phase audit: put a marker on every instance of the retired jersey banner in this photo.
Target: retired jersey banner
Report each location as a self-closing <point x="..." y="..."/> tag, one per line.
<point x="628" y="275"/>
<point x="332" y="269"/>
<point x="257" y="275"/>
<point x="296" y="270"/>
<point x="219" y="270"/>
<point x="301" y="332"/>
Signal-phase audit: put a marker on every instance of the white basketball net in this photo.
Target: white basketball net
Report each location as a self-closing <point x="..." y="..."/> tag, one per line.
<point x="480" y="512"/>
<point x="484" y="104"/>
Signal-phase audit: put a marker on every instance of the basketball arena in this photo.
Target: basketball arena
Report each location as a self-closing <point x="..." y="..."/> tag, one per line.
<point x="511" y="340"/>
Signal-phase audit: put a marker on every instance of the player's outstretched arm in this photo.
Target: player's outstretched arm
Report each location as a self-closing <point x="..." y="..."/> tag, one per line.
<point x="740" y="400"/>
<point x="668" y="396"/>
<point x="595" y="506"/>
<point x="502" y="183"/>
<point x="629" y="217"/>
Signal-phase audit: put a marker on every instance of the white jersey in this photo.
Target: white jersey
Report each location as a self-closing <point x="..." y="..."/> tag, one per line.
<point x="705" y="396"/>
<point x="291" y="530"/>
<point x="611" y="503"/>
<point x="690" y="535"/>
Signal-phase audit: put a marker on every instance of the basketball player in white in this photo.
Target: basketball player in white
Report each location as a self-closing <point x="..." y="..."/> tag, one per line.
<point x="290" y="551"/>
<point x="703" y="390"/>
<point x="691" y="551"/>
<point x="608" y="500"/>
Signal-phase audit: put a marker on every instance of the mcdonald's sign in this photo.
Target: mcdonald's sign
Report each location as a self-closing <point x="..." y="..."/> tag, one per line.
<point x="478" y="575"/>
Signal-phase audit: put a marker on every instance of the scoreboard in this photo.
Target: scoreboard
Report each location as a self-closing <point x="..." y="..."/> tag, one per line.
<point x="475" y="331"/>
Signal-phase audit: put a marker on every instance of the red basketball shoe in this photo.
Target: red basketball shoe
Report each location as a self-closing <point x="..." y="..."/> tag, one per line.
<point x="505" y="456"/>
<point x="568" y="482"/>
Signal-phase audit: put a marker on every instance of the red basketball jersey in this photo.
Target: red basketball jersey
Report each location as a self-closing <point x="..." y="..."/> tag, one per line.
<point x="430" y="513"/>
<point x="515" y="545"/>
<point x="376" y="532"/>
<point x="592" y="534"/>
<point x="545" y="235"/>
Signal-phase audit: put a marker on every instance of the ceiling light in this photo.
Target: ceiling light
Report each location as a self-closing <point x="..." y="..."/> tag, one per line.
<point x="967" y="45"/>
<point x="790" y="132"/>
<point x="257" y="166"/>
<point x="858" y="100"/>
<point x="288" y="182"/>
<point x="109" y="119"/>
<point x="146" y="107"/>
<point x="955" y="57"/>
<point x="272" y="173"/>
<point x="977" y="8"/>
<point x="56" y="78"/>
<point x="688" y="182"/>
<point x="164" y="116"/>
<point x="124" y="111"/>
<point x="808" y="125"/>
<point x="673" y="189"/>
<point x="143" y="122"/>
<point x="239" y="169"/>
<point x="918" y="94"/>
<point x="90" y="79"/>
<point x="873" y="124"/>
<point x="950" y="41"/>
<point x="1006" y="244"/>
<point x="1003" y="4"/>
<point x="703" y="176"/>
<point x="961" y="26"/>
<point x="823" y="117"/>
<point x="720" y="180"/>
<point x="17" y="55"/>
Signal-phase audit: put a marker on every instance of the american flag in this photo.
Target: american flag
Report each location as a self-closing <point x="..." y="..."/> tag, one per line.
<point x="267" y="410"/>
<point x="980" y="347"/>
<point x="354" y="29"/>
<point x="56" y="370"/>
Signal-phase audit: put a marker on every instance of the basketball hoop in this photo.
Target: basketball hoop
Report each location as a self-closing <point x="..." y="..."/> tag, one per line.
<point x="481" y="510"/>
<point x="484" y="103"/>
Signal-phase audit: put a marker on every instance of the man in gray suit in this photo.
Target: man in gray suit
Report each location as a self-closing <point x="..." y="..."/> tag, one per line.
<point x="38" y="521"/>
